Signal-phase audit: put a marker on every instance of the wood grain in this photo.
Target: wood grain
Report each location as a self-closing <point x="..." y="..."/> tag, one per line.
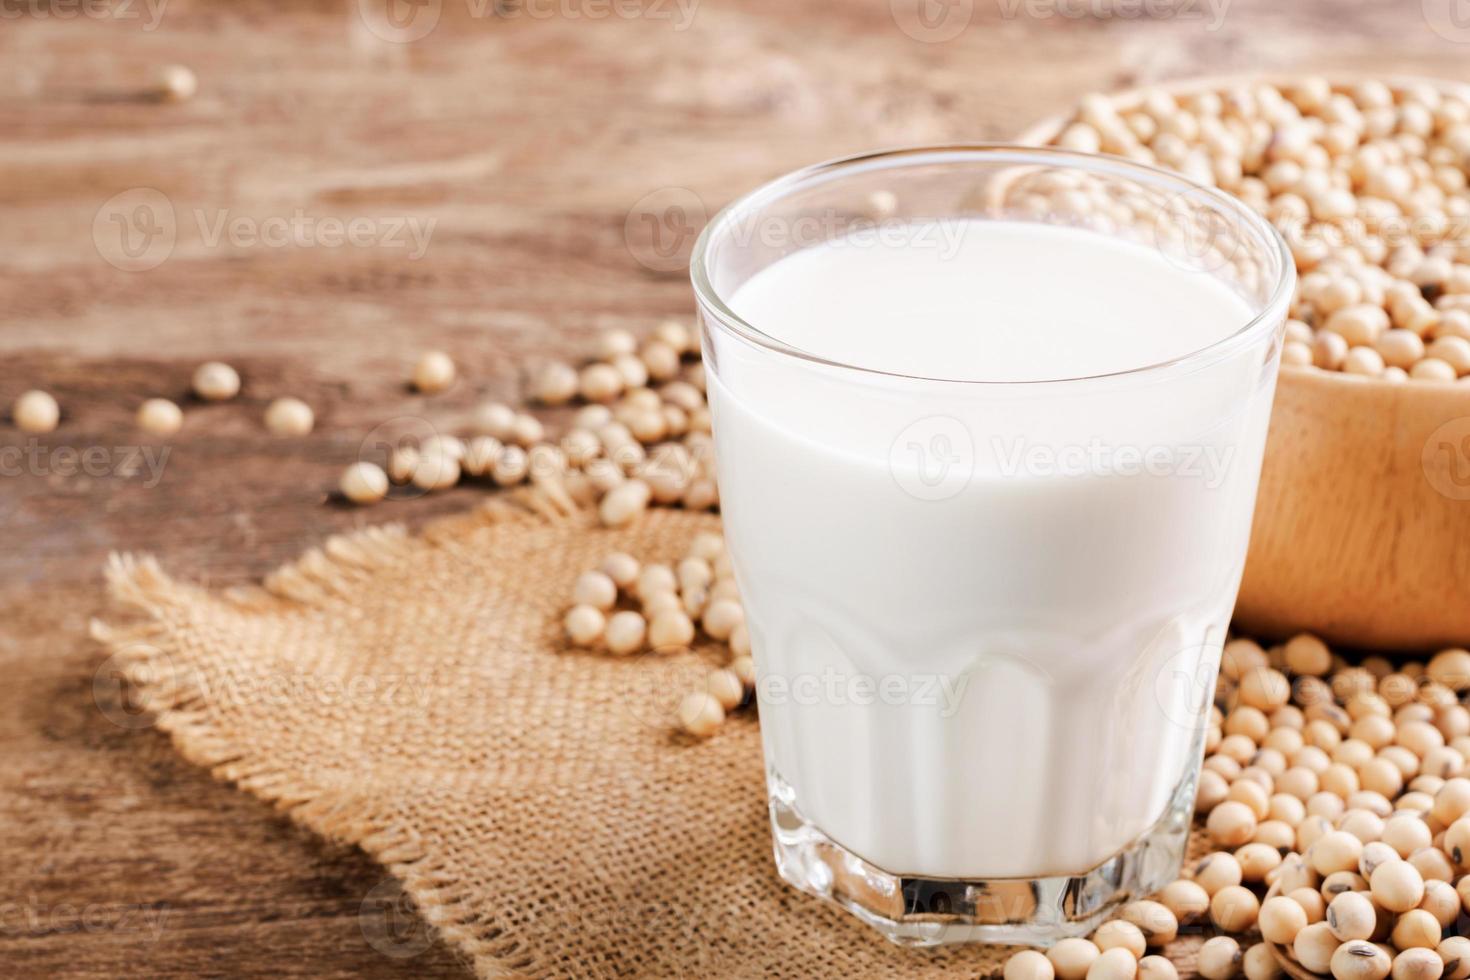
<point x="1362" y="516"/>
<point x="530" y="141"/>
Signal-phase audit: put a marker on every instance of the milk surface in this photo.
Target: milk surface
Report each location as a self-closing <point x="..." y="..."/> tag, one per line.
<point x="985" y="618"/>
<point x="990" y="301"/>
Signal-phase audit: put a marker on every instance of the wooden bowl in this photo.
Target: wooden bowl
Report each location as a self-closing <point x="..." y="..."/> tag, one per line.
<point x="1362" y="524"/>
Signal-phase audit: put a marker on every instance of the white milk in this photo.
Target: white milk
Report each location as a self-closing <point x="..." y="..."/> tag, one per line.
<point x="975" y="662"/>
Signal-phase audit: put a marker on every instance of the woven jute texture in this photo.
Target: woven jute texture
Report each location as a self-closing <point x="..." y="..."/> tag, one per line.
<point x="413" y="695"/>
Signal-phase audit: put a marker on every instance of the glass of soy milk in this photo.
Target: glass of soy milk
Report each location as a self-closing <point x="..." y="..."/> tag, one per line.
<point x="988" y="422"/>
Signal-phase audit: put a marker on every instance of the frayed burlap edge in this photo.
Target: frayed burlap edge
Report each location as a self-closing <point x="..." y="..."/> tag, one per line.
<point x="322" y="574"/>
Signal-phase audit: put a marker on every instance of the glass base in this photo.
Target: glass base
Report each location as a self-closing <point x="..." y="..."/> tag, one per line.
<point x="935" y="911"/>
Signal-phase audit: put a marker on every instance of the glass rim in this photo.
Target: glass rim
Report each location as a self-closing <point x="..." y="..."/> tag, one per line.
<point x="1270" y="311"/>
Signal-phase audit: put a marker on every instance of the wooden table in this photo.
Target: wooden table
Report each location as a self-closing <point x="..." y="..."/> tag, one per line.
<point x="538" y="149"/>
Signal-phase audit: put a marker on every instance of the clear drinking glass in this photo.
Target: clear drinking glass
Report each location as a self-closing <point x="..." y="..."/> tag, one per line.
<point x="983" y="684"/>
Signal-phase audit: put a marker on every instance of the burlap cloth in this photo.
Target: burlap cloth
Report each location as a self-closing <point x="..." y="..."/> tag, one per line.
<point x="413" y="695"/>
